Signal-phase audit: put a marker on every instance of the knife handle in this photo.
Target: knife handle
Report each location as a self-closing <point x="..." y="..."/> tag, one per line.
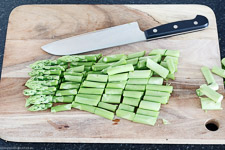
<point x="174" y="28"/>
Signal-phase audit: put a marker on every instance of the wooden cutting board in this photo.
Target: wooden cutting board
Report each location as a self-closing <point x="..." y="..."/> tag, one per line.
<point x="32" y="26"/>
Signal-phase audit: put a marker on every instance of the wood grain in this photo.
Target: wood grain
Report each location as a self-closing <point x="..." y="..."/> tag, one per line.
<point x="32" y="26"/>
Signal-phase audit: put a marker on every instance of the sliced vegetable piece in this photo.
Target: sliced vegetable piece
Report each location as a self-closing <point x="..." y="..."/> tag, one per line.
<point x="97" y="77"/>
<point x="140" y="74"/>
<point x="69" y="85"/>
<point x="131" y="101"/>
<point x="85" y="64"/>
<point x="29" y="92"/>
<point x="120" y="69"/>
<point x="163" y="72"/>
<point x="157" y="51"/>
<point x="171" y="66"/>
<point x="162" y="88"/>
<point x="209" y="104"/>
<point x="162" y="100"/>
<point x="142" y="64"/>
<point x="174" y="53"/>
<point x="157" y="93"/>
<point x="66" y="92"/>
<point x="126" y="107"/>
<point x="147" y="112"/>
<point x="104" y="113"/>
<point x="125" y="114"/>
<point x="150" y="105"/>
<point x="38" y="107"/>
<point x="218" y="71"/>
<point x="73" y="78"/>
<point x="116" y="85"/>
<point x="84" y="107"/>
<point x="63" y="107"/>
<point x="88" y="99"/>
<point x="149" y="120"/>
<point x="113" y="91"/>
<point x="107" y="106"/>
<point x="109" y="98"/>
<point x="175" y="59"/>
<point x="165" y="121"/>
<point x="63" y="99"/>
<point x="208" y="75"/>
<point x="118" y="77"/>
<point x="137" y="81"/>
<point x="136" y="55"/>
<point x="130" y="87"/>
<point x="133" y="94"/>
<point x="214" y="86"/>
<point x="133" y="61"/>
<point x="97" y="91"/>
<point x="93" y="84"/>
<point x="216" y="97"/>
<point x="76" y="69"/>
<point x="155" y="80"/>
<point x="38" y="99"/>
<point x="114" y="58"/>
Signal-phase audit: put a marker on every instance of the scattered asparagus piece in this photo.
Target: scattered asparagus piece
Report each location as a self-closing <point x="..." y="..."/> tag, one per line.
<point x="208" y="75"/>
<point x="219" y="71"/>
<point x="171" y="66"/>
<point x="157" y="93"/>
<point x="175" y="59"/>
<point x="63" y="107"/>
<point x="85" y="64"/>
<point x="137" y="81"/>
<point x="157" y="51"/>
<point x="145" y="119"/>
<point x="209" y="104"/>
<point x="216" y="97"/>
<point x="163" y="72"/>
<point x="133" y="61"/>
<point x="173" y="53"/>
<point x="107" y="106"/>
<point x="104" y="113"/>
<point x="97" y="91"/>
<point x="76" y="69"/>
<point x="114" y="58"/>
<point x="162" y="100"/>
<point x="165" y="121"/>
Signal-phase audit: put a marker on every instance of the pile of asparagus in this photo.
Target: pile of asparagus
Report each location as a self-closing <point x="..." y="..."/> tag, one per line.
<point x="130" y="86"/>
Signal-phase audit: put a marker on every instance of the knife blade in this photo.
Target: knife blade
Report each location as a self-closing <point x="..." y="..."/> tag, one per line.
<point x="122" y="35"/>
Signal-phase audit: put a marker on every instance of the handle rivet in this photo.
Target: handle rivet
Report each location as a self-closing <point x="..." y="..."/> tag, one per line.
<point x="155" y="30"/>
<point x="175" y="26"/>
<point x="195" y="22"/>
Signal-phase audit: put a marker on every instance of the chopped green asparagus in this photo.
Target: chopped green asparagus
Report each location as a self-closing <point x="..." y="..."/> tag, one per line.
<point x="147" y="112"/>
<point x="162" y="100"/>
<point x="219" y="71"/>
<point x="38" y="107"/>
<point x="113" y="91"/>
<point x="157" y="51"/>
<point x="208" y="104"/>
<point x="145" y="119"/>
<point x="137" y="81"/>
<point x="107" y="106"/>
<point x="130" y="87"/>
<point x="208" y="75"/>
<point x="63" y="99"/>
<point x="93" y="84"/>
<point x="104" y="113"/>
<point x="150" y="105"/>
<point x="162" y="88"/>
<point x="111" y="98"/>
<point x="163" y="72"/>
<point x="66" y="92"/>
<point x="126" y="107"/>
<point x="131" y="101"/>
<point x="120" y="69"/>
<point x="133" y="94"/>
<point x="69" y="85"/>
<point x="97" y="91"/>
<point x="155" y="80"/>
<point x="97" y="77"/>
<point x="62" y="107"/>
<point x="136" y="55"/>
<point x="116" y="85"/>
<point x="140" y="74"/>
<point x="125" y="114"/>
<point x="118" y="77"/>
<point x="216" y="97"/>
<point x="84" y="107"/>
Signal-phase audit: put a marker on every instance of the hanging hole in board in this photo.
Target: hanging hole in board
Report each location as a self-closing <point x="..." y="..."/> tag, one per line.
<point x="212" y="125"/>
<point x="195" y="22"/>
<point x="155" y="30"/>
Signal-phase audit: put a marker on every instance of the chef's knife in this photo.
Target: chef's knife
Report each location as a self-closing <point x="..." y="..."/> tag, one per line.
<point x="121" y="35"/>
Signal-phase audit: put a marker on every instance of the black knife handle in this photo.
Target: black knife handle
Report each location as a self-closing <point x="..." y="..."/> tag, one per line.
<point x="174" y="28"/>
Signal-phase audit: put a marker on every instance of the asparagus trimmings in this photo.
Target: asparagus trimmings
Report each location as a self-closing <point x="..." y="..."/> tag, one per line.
<point x="93" y="84"/>
<point x="125" y="114"/>
<point x="133" y="94"/>
<point x="104" y="113"/>
<point x="97" y="91"/>
<point x="150" y="105"/>
<point x="145" y="119"/>
<point x="113" y="91"/>
<point x="163" y="72"/>
<point x="29" y="92"/>
<point x="63" y="99"/>
<point x="208" y="75"/>
<point x="97" y="77"/>
<point x="162" y="88"/>
<point x="84" y="107"/>
<point x="126" y="107"/>
<point x="107" y="106"/>
<point x="130" y="87"/>
<point x="118" y="77"/>
<point x="140" y="74"/>
<point x="208" y="104"/>
<point x="219" y="71"/>
<point x="131" y="101"/>
<point x="66" y="92"/>
<point x="109" y="98"/>
<point x="38" y="107"/>
<point x="147" y="112"/>
<point x="120" y="69"/>
<point x="136" y="55"/>
<point x="211" y="93"/>
<point x="61" y="108"/>
<point x="38" y="99"/>
<point x="155" y="80"/>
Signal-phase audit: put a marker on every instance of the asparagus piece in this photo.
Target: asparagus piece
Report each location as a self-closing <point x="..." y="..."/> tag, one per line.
<point x="41" y="63"/>
<point x="140" y="74"/>
<point x="29" y="92"/>
<point x="84" y="107"/>
<point x="155" y="80"/>
<point x="125" y="114"/>
<point x="45" y="77"/>
<point x="175" y="59"/>
<point x="223" y="62"/>
<point x="208" y="75"/>
<point x="162" y="88"/>
<point x="74" y="73"/>
<point x="120" y="69"/>
<point x="208" y="104"/>
<point x="97" y="77"/>
<point x="133" y="94"/>
<point x="130" y="87"/>
<point x="85" y="64"/>
<point x="171" y="66"/>
<point x="62" y="107"/>
<point x="108" y="98"/>
<point x="44" y="72"/>
<point x="95" y="72"/>
<point x="100" y="67"/>
<point x="39" y="87"/>
<point x="173" y="53"/>
<point x="219" y="71"/>
<point x="216" y="97"/>
<point x="118" y="77"/>
<point x="63" y="99"/>
<point x="147" y="112"/>
<point x="157" y="93"/>
<point x="170" y="76"/>
<point x="162" y="99"/>
<point x="88" y="99"/>
<point x="113" y="91"/>
<point x="38" y="99"/>
<point x="97" y="91"/>
<point x="137" y="81"/>
<point x="87" y="68"/>
<point x="107" y="106"/>
<point x="142" y="64"/>
<point x="164" y="64"/>
<point x="116" y="85"/>
<point x="131" y="101"/>
<point x="133" y="61"/>
<point x="31" y="83"/>
<point x="114" y="58"/>
<point x="66" y="92"/>
<point x="69" y="85"/>
<point x="214" y="86"/>
<point x="163" y="72"/>
<point x="150" y="105"/>
<point x="156" y="58"/>
<point x="93" y="84"/>
<point x="136" y="55"/>
<point x="126" y="107"/>
<point x="157" y="51"/>
<point x="38" y="107"/>
<point x="104" y="113"/>
<point x="73" y="78"/>
<point x="145" y="119"/>
<point x="76" y="69"/>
